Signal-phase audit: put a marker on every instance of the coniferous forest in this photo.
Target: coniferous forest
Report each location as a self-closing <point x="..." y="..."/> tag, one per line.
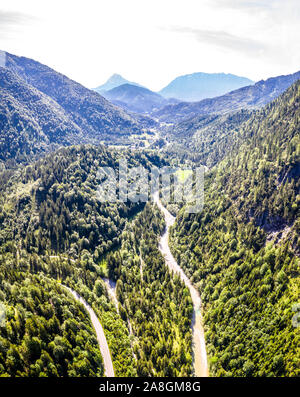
<point x="176" y="294"/>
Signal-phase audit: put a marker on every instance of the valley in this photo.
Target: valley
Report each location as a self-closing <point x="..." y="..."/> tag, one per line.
<point x="199" y="349"/>
<point x="144" y="288"/>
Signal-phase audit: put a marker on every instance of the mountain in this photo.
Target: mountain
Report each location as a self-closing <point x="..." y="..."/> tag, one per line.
<point x="250" y="97"/>
<point x="31" y="123"/>
<point x="197" y="86"/>
<point x="242" y="251"/>
<point x="136" y="99"/>
<point x="114" y="81"/>
<point x="41" y="107"/>
<point x="207" y="139"/>
<point x="88" y="109"/>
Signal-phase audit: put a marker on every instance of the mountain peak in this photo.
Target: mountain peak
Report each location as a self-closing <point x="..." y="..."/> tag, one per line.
<point x="114" y="81"/>
<point x="116" y="78"/>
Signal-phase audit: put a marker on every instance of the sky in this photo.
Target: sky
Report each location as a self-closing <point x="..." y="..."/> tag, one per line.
<point x="153" y="41"/>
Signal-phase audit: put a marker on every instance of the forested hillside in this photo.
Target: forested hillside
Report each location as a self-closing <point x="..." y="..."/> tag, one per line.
<point x="52" y="225"/>
<point x="157" y="304"/>
<point x="31" y="123"/>
<point x="207" y="139"/>
<point x="42" y="110"/>
<point x="47" y="333"/>
<point x="88" y="109"/>
<point x="58" y="210"/>
<point x="242" y="251"/>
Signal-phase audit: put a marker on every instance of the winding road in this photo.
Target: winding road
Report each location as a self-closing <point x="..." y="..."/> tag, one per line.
<point x="199" y="350"/>
<point x="102" y="342"/>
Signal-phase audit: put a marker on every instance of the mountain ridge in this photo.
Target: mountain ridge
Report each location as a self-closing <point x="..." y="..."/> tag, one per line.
<point x="136" y="99"/>
<point x="87" y="108"/>
<point x="249" y="97"/>
<point x="41" y="108"/>
<point x="30" y="121"/>
<point x="200" y="85"/>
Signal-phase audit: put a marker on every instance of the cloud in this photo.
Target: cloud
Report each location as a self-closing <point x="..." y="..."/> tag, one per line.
<point x="244" y="4"/>
<point x="11" y="20"/>
<point x="223" y="39"/>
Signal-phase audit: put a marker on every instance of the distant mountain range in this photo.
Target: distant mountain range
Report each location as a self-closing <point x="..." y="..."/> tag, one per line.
<point x="41" y="107"/>
<point x="137" y="99"/>
<point x="197" y="86"/>
<point x="240" y="251"/>
<point x="114" y="81"/>
<point x="190" y="87"/>
<point x="250" y="97"/>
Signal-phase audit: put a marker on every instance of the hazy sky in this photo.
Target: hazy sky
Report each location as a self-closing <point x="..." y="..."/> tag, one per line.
<point x="153" y="41"/>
